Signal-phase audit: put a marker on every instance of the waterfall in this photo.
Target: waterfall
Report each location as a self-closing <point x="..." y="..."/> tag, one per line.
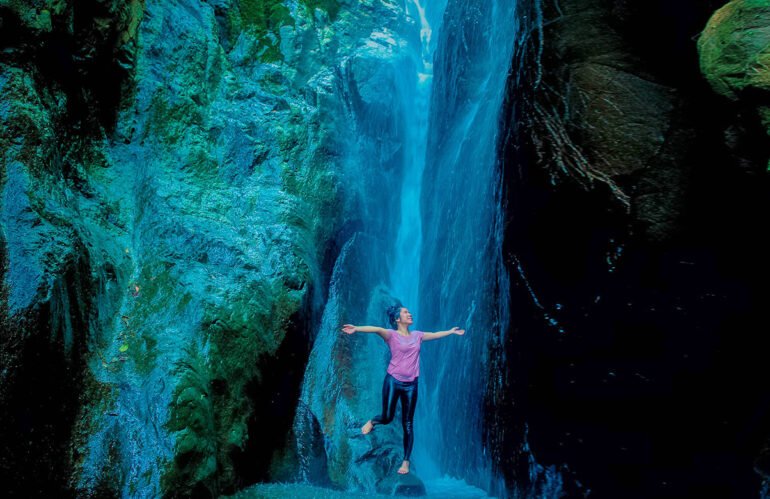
<point x="462" y="279"/>
<point x="425" y="197"/>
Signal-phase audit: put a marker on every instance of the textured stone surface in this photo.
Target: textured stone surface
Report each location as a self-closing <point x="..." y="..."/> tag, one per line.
<point x="180" y="207"/>
<point x="734" y="53"/>
<point x="171" y="200"/>
<point x="603" y="119"/>
<point x="734" y="48"/>
<point x="630" y="322"/>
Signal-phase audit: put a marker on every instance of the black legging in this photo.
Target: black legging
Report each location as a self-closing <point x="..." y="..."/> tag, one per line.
<point x="392" y="390"/>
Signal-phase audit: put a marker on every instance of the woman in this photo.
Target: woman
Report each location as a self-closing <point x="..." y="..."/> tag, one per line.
<point x="402" y="373"/>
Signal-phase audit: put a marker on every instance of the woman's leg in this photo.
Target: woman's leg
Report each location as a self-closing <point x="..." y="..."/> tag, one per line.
<point x="389" y="400"/>
<point x="408" y="404"/>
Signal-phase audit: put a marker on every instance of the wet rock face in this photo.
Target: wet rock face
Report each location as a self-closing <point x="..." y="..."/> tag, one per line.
<point x="169" y="202"/>
<point x="612" y="112"/>
<point x="64" y="67"/>
<point x="635" y="193"/>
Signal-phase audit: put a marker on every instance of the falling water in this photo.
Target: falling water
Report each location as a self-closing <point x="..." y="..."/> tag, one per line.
<point x="414" y="90"/>
<point x="462" y="279"/>
<point x="438" y="200"/>
<point x="446" y="259"/>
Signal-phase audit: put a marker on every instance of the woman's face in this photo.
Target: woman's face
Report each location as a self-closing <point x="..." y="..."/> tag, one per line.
<point x="406" y="317"/>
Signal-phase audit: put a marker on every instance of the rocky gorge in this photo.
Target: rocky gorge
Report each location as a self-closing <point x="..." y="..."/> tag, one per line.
<point x="197" y="194"/>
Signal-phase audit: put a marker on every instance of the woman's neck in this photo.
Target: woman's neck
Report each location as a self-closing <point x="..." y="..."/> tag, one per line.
<point x="403" y="330"/>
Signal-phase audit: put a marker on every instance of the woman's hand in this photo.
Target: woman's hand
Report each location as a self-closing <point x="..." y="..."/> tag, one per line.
<point x="457" y="330"/>
<point x="349" y="328"/>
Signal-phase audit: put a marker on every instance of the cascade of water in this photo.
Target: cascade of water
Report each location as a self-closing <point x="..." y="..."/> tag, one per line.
<point x="405" y="275"/>
<point x="445" y="94"/>
<point x="414" y="91"/>
<point x="461" y="275"/>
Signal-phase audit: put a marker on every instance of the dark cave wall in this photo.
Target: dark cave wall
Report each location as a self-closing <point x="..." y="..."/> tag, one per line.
<point x="636" y="257"/>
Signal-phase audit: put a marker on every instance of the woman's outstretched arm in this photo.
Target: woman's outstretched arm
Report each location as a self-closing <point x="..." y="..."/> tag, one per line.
<point x="441" y="334"/>
<point x="350" y="329"/>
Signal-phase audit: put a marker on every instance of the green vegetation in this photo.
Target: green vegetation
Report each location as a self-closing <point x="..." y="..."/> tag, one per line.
<point x="332" y="7"/>
<point x="211" y="407"/>
<point x="734" y="48"/>
<point x="193" y="423"/>
<point x="265" y="18"/>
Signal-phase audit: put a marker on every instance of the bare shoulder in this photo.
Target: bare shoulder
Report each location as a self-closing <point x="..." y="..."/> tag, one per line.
<point x="384" y="333"/>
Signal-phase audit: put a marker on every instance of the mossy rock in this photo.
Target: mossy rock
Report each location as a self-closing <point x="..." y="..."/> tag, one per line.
<point x="264" y="18"/>
<point x="734" y="48"/>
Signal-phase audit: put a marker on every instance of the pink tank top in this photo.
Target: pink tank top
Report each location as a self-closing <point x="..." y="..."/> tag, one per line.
<point x="404" y="355"/>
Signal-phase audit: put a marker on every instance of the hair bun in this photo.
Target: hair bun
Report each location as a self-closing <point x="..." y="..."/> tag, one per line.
<point x="393" y="314"/>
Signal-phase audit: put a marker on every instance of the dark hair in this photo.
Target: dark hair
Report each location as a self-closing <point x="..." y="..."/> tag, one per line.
<point x="394" y="312"/>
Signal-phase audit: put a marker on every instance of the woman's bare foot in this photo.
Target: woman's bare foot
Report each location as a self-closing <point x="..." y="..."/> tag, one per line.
<point x="367" y="427"/>
<point x="404" y="469"/>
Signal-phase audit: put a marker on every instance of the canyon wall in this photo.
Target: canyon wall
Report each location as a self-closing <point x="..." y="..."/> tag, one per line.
<point x="635" y="194"/>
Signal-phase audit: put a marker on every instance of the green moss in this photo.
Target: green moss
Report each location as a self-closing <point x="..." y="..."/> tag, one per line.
<point x="96" y="399"/>
<point x="211" y="408"/>
<point x="28" y="127"/>
<point x="172" y="121"/>
<point x="253" y="326"/>
<point x="332" y="7"/>
<point x="265" y="15"/>
<point x="292" y="137"/>
<point x="155" y="293"/>
<point x="734" y="48"/>
<point x="192" y="420"/>
<point x="264" y="19"/>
